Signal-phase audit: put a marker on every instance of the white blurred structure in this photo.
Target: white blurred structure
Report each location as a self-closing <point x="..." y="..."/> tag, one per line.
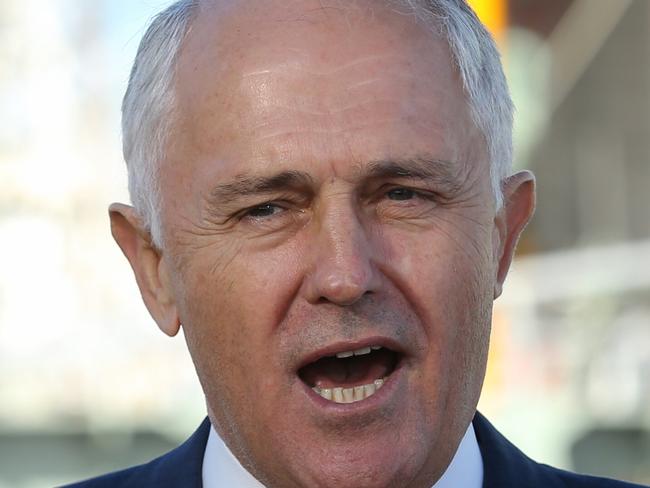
<point x="571" y="347"/>
<point x="76" y="345"/>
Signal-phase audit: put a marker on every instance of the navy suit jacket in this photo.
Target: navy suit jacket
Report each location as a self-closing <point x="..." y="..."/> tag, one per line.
<point x="504" y="466"/>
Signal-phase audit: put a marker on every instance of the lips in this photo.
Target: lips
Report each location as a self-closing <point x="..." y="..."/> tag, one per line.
<point x="350" y="375"/>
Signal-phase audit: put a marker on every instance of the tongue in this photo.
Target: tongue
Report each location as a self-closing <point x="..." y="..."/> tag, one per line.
<point x="331" y="372"/>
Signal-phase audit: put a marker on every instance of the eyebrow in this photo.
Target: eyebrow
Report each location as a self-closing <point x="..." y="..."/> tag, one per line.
<point x="439" y="172"/>
<point x="443" y="174"/>
<point x="244" y="185"/>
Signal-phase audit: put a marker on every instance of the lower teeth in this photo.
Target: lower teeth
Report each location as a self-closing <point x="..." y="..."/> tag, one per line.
<point x="350" y="395"/>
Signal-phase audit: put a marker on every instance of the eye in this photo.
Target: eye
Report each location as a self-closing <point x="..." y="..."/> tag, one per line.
<point x="401" y="194"/>
<point x="404" y="203"/>
<point x="263" y="211"/>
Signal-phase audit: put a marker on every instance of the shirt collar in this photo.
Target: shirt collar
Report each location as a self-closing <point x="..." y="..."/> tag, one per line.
<point x="222" y="469"/>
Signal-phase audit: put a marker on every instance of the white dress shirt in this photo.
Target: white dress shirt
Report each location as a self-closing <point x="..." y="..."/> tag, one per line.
<point x="221" y="469"/>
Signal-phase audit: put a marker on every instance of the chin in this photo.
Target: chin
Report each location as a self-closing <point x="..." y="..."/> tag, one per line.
<point x="392" y="459"/>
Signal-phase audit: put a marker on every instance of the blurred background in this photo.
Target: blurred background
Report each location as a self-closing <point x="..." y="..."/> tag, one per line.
<point x="88" y="383"/>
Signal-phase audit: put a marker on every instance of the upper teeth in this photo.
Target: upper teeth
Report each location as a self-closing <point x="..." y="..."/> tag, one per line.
<point x="358" y="352"/>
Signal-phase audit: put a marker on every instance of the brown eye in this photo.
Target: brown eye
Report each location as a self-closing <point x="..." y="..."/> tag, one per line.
<point x="401" y="194"/>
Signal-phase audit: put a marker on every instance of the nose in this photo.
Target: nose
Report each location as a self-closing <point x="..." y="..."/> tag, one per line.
<point x="343" y="263"/>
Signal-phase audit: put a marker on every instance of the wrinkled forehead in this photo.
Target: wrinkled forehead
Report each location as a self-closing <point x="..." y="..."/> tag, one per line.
<point x="232" y="42"/>
<point x="271" y="81"/>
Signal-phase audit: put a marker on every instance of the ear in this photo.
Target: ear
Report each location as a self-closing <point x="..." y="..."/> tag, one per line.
<point x="150" y="271"/>
<point x="518" y="208"/>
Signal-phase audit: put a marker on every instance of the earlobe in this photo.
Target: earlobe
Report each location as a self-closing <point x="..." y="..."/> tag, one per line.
<point x="146" y="261"/>
<point x="518" y="208"/>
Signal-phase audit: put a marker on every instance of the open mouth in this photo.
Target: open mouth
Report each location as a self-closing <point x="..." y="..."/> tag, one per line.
<point x="350" y="376"/>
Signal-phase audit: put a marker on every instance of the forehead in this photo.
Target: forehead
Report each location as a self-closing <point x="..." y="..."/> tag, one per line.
<point x="262" y="81"/>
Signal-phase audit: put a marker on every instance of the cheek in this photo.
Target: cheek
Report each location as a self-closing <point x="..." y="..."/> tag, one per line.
<point x="447" y="278"/>
<point x="234" y="299"/>
<point x="437" y="270"/>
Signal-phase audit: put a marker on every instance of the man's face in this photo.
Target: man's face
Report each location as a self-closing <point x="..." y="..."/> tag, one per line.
<point x="325" y="191"/>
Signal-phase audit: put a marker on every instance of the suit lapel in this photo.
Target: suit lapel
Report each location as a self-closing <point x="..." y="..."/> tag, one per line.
<point x="182" y="467"/>
<point x="503" y="464"/>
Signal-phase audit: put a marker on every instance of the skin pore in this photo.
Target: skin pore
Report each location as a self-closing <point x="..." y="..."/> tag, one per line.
<point x="324" y="189"/>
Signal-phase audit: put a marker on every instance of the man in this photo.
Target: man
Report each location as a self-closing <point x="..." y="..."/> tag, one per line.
<point x="323" y="199"/>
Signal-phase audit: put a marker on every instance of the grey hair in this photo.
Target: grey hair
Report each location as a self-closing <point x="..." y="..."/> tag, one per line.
<point x="478" y="60"/>
<point x="147" y="109"/>
<point x="148" y="105"/>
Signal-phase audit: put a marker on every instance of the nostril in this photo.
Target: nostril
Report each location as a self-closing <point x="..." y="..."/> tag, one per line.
<point x="339" y="301"/>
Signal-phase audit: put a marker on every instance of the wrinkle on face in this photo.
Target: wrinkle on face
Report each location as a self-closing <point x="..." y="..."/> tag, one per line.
<point x="334" y="105"/>
<point x="194" y="238"/>
<point x="311" y="71"/>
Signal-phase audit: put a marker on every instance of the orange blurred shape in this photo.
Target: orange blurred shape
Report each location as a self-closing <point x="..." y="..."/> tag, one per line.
<point x="494" y="14"/>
